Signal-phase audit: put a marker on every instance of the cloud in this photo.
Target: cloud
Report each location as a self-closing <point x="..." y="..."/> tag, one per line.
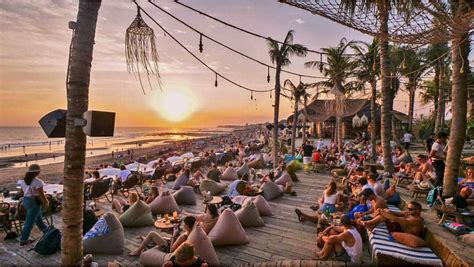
<point x="299" y="21"/>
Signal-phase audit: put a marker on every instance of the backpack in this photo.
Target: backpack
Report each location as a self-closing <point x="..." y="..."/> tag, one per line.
<point x="50" y="242"/>
<point x="433" y="195"/>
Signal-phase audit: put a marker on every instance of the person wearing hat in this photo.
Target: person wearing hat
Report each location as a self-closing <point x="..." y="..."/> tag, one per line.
<point x="34" y="200"/>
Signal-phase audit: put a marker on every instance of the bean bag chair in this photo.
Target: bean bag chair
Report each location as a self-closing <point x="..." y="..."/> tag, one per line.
<point x="182" y="179"/>
<point x="171" y="177"/>
<point x="229" y="174"/>
<point x="338" y="172"/>
<point x="203" y="246"/>
<point x="318" y="167"/>
<point x="164" y="204"/>
<point x="283" y="179"/>
<point x="266" y="157"/>
<point x="239" y="199"/>
<point x="106" y="237"/>
<point x="185" y="196"/>
<point x="256" y="164"/>
<point x="154" y="257"/>
<point x="138" y="215"/>
<point x="210" y="186"/>
<point x="248" y="215"/>
<point x="295" y="165"/>
<point x="271" y="190"/>
<point x="262" y="205"/>
<point x="244" y="169"/>
<point x="228" y="230"/>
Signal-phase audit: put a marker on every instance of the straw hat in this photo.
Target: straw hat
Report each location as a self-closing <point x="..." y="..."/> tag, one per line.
<point x="34" y="168"/>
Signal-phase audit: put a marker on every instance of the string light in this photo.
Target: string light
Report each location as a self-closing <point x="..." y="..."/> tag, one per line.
<point x="270" y="94"/>
<point x="251" y="95"/>
<point x="215" y="83"/>
<point x="200" y="43"/>
<point x="268" y="77"/>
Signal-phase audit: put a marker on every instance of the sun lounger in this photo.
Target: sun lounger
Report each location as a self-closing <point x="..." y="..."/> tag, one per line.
<point x="383" y="246"/>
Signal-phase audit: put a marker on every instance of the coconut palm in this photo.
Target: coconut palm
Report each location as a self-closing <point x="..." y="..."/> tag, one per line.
<point x="280" y="55"/>
<point x="75" y="146"/>
<point x="298" y="92"/>
<point x="368" y="70"/>
<point x="338" y="68"/>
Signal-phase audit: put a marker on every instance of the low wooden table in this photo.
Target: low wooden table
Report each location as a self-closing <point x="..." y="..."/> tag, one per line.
<point x="255" y="193"/>
<point x="451" y="211"/>
<point x="216" y="200"/>
<point x="162" y="225"/>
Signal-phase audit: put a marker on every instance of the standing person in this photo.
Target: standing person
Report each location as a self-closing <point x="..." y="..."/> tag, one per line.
<point x="438" y="157"/>
<point x="407" y="139"/>
<point x="429" y="142"/>
<point x="34" y="200"/>
<point x="307" y="153"/>
<point x="241" y="149"/>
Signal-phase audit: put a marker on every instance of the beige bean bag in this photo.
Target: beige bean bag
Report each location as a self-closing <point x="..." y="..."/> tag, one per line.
<point x="262" y="205"/>
<point x="256" y="164"/>
<point x="319" y="167"/>
<point x="105" y="237"/>
<point x="239" y="199"/>
<point x="138" y="215"/>
<point x="154" y="257"/>
<point x="185" y="196"/>
<point x="182" y="180"/>
<point x="244" y="169"/>
<point x="283" y="179"/>
<point x="229" y="174"/>
<point x="468" y="239"/>
<point x="338" y="172"/>
<point x="228" y="230"/>
<point x="271" y="190"/>
<point x="203" y="246"/>
<point x="248" y="215"/>
<point x="214" y="187"/>
<point x="164" y="204"/>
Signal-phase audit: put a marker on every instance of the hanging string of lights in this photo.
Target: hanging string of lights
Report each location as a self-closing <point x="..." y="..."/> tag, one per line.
<point x="201" y="35"/>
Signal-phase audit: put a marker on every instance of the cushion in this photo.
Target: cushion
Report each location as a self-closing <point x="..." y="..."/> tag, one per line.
<point x="164" y="204"/>
<point x="139" y="214"/>
<point x="229" y="174"/>
<point x="248" y="215"/>
<point x="154" y="257"/>
<point x="256" y="164"/>
<point x="106" y="237"/>
<point x="295" y="165"/>
<point x="468" y="239"/>
<point x="185" y="196"/>
<point x="338" y="172"/>
<point x="409" y="239"/>
<point x="180" y="181"/>
<point x="262" y="205"/>
<point x="228" y="230"/>
<point x="283" y="179"/>
<point x="244" y="169"/>
<point x="203" y="246"/>
<point x="214" y="187"/>
<point x="271" y="190"/>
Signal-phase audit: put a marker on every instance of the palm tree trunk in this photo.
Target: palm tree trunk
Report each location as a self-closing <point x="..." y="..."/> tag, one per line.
<point x="304" y="122"/>
<point x="293" y="129"/>
<point x="373" y="115"/>
<point x="411" y="105"/>
<point x="387" y="103"/>
<point x="276" y="110"/>
<point x="459" y="56"/>
<point x="75" y="145"/>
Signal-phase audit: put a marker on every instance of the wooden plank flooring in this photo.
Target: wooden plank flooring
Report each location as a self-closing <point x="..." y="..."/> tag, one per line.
<point x="283" y="241"/>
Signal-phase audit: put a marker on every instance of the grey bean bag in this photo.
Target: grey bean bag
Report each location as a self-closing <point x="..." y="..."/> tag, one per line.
<point x="182" y="180"/>
<point x="248" y="215"/>
<point x="229" y="174"/>
<point x="185" y="196"/>
<point x="244" y="169"/>
<point x="203" y="246"/>
<point x="105" y="237"/>
<point x="228" y="230"/>
<point x="164" y="204"/>
<point x="271" y="190"/>
<point x="138" y="215"/>
<point x="154" y="257"/>
<point x="214" y="187"/>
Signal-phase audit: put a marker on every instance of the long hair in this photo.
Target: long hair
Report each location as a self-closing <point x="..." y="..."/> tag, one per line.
<point x="213" y="211"/>
<point x="29" y="176"/>
<point x="331" y="188"/>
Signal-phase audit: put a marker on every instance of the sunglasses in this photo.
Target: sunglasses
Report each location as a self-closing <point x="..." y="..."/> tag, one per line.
<point x="410" y="209"/>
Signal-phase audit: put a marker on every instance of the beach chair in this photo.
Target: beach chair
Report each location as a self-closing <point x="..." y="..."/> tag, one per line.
<point x="5" y="222"/>
<point x="451" y="211"/>
<point x="100" y="189"/>
<point x="385" y="250"/>
<point x="133" y="182"/>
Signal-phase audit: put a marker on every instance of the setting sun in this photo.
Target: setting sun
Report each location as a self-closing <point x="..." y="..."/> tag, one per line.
<point x="175" y="105"/>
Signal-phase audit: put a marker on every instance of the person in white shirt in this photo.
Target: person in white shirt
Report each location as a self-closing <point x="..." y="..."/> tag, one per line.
<point x="123" y="175"/>
<point x="407" y="139"/>
<point x="438" y="156"/>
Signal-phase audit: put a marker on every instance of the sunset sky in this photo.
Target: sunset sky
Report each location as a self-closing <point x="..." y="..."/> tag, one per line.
<point x="34" y="51"/>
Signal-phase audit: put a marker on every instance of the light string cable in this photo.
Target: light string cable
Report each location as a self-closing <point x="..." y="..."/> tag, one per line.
<point x="197" y="58"/>
<point x="230" y="48"/>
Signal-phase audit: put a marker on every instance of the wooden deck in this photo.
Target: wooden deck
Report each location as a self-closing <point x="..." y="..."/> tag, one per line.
<point x="282" y="238"/>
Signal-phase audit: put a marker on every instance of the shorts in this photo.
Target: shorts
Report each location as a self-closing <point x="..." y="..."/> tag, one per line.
<point x="343" y="256"/>
<point x="393" y="227"/>
<point x="306" y="160"/>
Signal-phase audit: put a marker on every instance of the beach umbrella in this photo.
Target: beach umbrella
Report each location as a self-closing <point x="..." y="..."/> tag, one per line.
<point x="109" y="171"/>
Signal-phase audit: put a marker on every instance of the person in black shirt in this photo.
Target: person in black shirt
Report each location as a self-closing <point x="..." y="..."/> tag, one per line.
<point x="429" y="143"/>
<point x="184" y="256"/>
<point x="307" y="153"/>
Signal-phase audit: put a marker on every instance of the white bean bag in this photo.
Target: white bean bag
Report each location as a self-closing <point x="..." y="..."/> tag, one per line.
<point x="105" y="237"/>
<point x="214" y="187"/>
<point x="244" y="169"/>
<point x="229" y="174"/>
<point x="248" y="215"/>
<point x="138" y="215"/>
<point x="182" y="180"/>
<point x="154" y="257"/>
<point x="271" y="190"/>
<point x="228" y="230"/>
<point x="203" y="246"/>
<point x="185" y="196"/>
<point x="283" y="179"/>
<point x="164" y="204"/>
<point x="264" y="209"/>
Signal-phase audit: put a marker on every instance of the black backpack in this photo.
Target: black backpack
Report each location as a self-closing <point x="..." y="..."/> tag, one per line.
<point x="50" y="242"/>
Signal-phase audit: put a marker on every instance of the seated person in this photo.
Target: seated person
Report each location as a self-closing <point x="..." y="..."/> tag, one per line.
<point x="328" y="202"/>
<point x="402" y="156"/>
<point x="238" y="186"/>
<point x="345" y="241"/>
<point x="361" y="207"/>
<point x="184" y="256"/>
<point x="214" y="173"/>
<point x="176" y="240"/>
<point x="407" y="221"/>
<point x="317" y="156"/>
<point x="461" y="199"/>
<point x="152" y="195"/>
<point x="121" y="205"/>
<point x="425" y="172"/>
<point x="373" y="201"/>
<point x="376" y="185"/>
<point x="468" y="181"/>
<point x="197" y="176"/>
<point x="122" y="176"/>
<point x="208" y="219"/>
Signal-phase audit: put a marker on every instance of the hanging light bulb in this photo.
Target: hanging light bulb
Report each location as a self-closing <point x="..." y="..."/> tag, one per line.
<point x="270" y="94"/>
<point x="321" y="63"/>
<point x="268" y="75"/>
<point x="200" y="43"/>
<point x="251" y="95"/>
<point x="300" y="78"/>
<point x="215" y="83"/>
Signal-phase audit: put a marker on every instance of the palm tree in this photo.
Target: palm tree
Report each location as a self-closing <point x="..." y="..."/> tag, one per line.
<point x="428" y="94"/>
<point x="368" y="69"/>
<point x="75" y="146"/>
<point x="280" y="55"/>
<point x="298" y="92"/>
<point x="338" y="69"/>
